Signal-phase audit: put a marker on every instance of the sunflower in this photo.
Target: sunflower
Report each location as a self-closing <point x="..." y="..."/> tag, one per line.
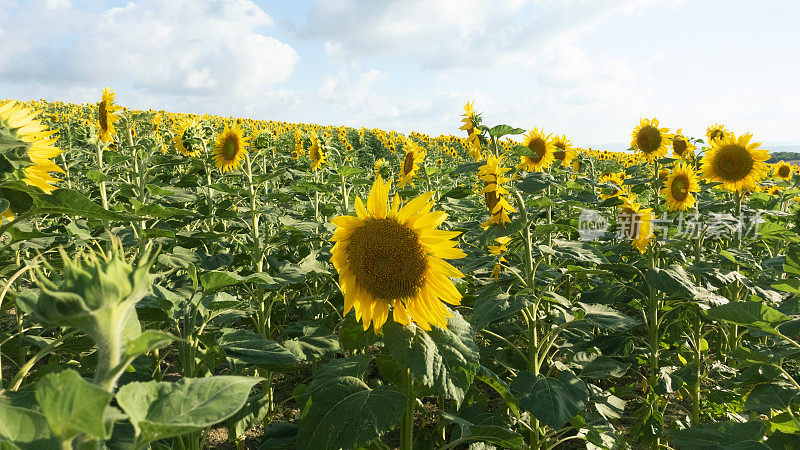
<point x="543" y="149"/>
<point x="470" y="125"/>
<point x="20" y="124"/>
<point x="782" y="171"/>
<point x="394" y="256"/>
<point x="186" y="137"/>
<point x="414" y="157"/>
<point x="230" y="149"/>
<point x="681" y="147"/>
<point x="736" y="163"/>
<point x="715" y="132"/>
<point x="634" y="223"/>
<point x="649" y="139"/>
<point x="315" y="152"/>
<point x="616" y="178"/>
<point x="106" y="115"/>
<point x="679" y="186"/>
<point x="495" y="192"/>
<point x="563" y="150"/>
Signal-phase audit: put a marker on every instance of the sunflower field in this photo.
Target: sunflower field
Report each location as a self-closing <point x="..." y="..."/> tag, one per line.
<point x="183" y="281"/>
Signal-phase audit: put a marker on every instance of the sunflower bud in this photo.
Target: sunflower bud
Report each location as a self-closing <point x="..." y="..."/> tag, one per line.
<point x="97" y="293"/>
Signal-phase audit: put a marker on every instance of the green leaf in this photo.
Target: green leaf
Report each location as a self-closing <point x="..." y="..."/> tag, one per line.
<point x="162" y="410"/>
<point x="493" y="304"/>
<point x="246" y="347"/>
<point x="352" y="335"/>
<point x="28" y="429"/>
<point x="791" y="285"/>
<point x="279" y="435"/>
<point x="443" y="359"/>
<point x="72" y="405"/>
<point x="148" y="341"/>
<point x="499" y="131"/>
<point x="770" y="396"/>
<point x="722" y="436"/>
<point x="599" y="367"/>
<point x="609" y="318"/>
<point x="253" y="412"/>
<point x="218" y="279"/>
<point x="69" y="202"/>
<point x="346" y="413"/>
<point x="675" y="281"/>
<point x="497" y="435"/>
<point x="751" y="314"/>
<point x="578" y="251"/>
<point x="315" y="342"/>
<point x="458" y="192"/>
<point x="554" y="401"/>
<point x="534" y="182"/>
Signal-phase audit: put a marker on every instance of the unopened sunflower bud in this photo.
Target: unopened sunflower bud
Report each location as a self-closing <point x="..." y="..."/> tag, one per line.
<point x="97" y="293"/>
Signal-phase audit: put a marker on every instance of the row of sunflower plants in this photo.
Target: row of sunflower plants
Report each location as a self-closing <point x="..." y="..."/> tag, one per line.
<point x="196" y="280"/>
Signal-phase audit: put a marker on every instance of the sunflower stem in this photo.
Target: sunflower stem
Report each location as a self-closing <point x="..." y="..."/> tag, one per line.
<point x="103" y="182"/>
<point x="529" y="272"/>
<point x="407" y="425"/>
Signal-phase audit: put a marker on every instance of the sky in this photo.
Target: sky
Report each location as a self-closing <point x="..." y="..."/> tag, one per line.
<point x="585" y="68"/>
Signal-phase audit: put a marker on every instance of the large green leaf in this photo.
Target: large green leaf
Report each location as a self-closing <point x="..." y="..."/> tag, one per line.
<point x="770" y="396"/>
<point x="609" y="318"/>
<point x="444" y="359"/>
<point x="314" y="342"/>
<point x="28" y="429"/>
<point x="493" y="304"/>
<point x="217" y="279"/>
<point x="345" y="413"/>
<point x="751" y="314"/>
<point x="162" y="410"/>
<point x="675" y="281"/>
<point x="72" y="405"/>
<point x="722" y="436"/>
<point x="554" y="401"/>
<point x="73" y="203"/>
<point x="499" y="131"/>
<point x="246" y="347"/>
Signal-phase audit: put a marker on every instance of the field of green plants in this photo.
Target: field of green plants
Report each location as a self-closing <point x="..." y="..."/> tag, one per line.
<point x="183" y="281"/>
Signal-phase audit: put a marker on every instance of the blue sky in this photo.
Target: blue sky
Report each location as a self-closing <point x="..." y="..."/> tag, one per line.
<point x="587" y="69"/>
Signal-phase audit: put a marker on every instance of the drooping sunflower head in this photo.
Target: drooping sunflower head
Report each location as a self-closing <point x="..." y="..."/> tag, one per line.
<point x="415" y="154"/>
<point x="187" y="137"/>
<point x="635" y="223"/>
<point x="681" y="146"/>
<point x="29" y="147"/>
<point x="470" y="119"/>
<point x="680" y="186"/>
<point x="106" y="115"/>
<point x="736" y="163"/>
<point x="316" y="153"/>
<point x="390" y="257"/>
<point x="495" y="191"/>
<point x="230" y="149"/>
<point x="716" y="131"/>
<point x="782" y="171"/>
<point x="563" y="150"/>
<point x="542" y="151"/>
<point x="649" y="140"/>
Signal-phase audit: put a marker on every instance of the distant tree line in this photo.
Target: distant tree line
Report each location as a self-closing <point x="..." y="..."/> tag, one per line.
<point x="783" y="156"/>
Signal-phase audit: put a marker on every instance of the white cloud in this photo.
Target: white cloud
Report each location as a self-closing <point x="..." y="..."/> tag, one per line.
<point x="446" y="34"/>
<point x="201" y="48"/>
